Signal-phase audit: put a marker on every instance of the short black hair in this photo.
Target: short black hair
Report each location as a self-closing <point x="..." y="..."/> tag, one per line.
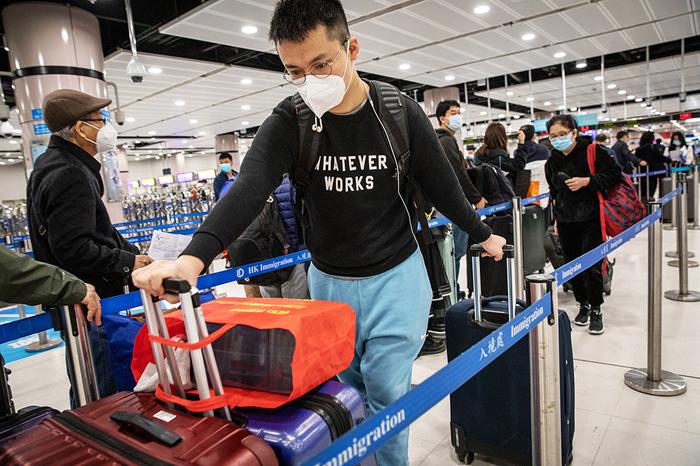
<point x="293" y="20"/>
<point x="601" y="137"/>
<point x="443" y="107"/>
<point x="621" y="134"/>
<point x="225" y="155"/>
<point x="528" y="131"/>
<point x="564" y="119"/>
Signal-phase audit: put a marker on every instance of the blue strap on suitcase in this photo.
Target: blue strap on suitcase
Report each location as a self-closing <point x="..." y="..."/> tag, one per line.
<point x="490" y="414"/>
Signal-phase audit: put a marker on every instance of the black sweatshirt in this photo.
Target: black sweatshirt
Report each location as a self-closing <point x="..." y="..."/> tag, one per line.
<point x="456" y="159"/>
<point x="582" y="205"/>
<point x="359" y="226"/>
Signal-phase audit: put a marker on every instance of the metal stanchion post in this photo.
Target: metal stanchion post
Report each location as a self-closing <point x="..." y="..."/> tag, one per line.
<point x="646" y="181"/>
<point x="79" y="355"/>
<point x="517" y="213"/>
<point x="638" y="179"/>
<point x="44" y="343"/>
<point x="675" y="206"/>
<point x="545" y="387"/>
<point x="682" y="230"/>
<point x="696" y="201"/>
<point x="672" y="226"/>
<point x="653" y="380"/>
<point x="683" y="293"/>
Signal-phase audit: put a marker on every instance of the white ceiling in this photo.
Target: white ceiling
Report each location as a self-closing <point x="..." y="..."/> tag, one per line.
<point x="583" y="91"/>
<point x="444" y="37"/>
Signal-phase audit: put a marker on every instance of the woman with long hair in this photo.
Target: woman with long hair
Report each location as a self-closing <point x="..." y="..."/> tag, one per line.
<point x="494" y="151"/>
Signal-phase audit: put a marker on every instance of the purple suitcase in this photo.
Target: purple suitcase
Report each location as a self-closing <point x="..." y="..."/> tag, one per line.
<point x="305" y="427"/>
<point x="16" y="424"/>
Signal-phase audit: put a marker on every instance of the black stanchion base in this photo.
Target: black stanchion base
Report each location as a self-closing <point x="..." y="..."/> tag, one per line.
<point x="670" y="384"/>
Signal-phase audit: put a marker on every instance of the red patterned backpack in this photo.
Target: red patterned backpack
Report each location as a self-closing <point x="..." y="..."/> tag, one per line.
<point x="622" y="207"/>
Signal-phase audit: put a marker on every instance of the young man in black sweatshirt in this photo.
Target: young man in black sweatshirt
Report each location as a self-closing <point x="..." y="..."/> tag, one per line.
<point x="361" y="235"/>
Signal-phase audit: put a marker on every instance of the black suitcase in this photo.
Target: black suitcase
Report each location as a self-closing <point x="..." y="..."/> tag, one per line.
<point x="534" y="228"/>
<point x="665" y="188"/>
<point x="490" y="414"/>
<point x="493" y="274"/>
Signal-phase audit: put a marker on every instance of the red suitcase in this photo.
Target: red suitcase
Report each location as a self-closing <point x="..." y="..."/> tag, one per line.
<point x="134" y="429"/>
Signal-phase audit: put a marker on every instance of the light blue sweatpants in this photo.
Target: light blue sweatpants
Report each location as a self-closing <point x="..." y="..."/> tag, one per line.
<point x="392" y="315"/>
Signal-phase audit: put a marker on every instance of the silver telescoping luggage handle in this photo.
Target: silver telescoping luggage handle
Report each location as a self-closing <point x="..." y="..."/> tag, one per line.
<point x="203" y="361"/>
<point x="509" y="255"/>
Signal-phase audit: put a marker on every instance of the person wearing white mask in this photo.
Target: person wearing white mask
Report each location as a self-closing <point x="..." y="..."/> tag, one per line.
<point x="69" y="224"/>
<point x="361" y="231"/>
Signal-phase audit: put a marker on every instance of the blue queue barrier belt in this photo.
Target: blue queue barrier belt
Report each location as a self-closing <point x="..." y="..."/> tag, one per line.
<point x="145" y="238"/>
<point x="132" y="231"/>
<point x="364" y="439"/>
<point x="644" y="175"/>
<point x="680" y="169"/>
<point x="139" y="222"/>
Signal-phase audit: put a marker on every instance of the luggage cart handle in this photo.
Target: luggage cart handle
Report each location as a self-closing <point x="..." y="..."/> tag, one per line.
<point x="176" y="286"/>
<point x="475" y="252"/>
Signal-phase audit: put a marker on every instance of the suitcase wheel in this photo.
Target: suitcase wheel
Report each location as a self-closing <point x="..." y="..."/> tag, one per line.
<point x="467" y="457"/>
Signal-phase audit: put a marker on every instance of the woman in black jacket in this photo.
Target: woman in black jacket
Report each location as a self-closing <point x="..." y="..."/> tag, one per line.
<point x="653" y="155"/>
<point x="494" y="151"/>
<point x="576" y="209"/>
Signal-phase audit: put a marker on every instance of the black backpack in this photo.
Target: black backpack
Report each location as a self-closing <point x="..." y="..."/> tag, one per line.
<point x="391" y="108"/>
<point x="264" y="239"/>
<point x="492" y="183"/>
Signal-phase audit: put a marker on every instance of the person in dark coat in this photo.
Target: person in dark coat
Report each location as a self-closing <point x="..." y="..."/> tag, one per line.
<point x="576" y="209"/>
<point x="225" y="174"/>
<point x="295" y="287"/>
<point x="494" y="151"/>
<point x="623" y="156"/>
<point x="68" y="223"/>
<point x="653" y="155"/>
<point x="527" y="147"/>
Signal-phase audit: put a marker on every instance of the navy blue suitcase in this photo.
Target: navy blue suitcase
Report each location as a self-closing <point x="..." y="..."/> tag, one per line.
<point x="490" y="414"/>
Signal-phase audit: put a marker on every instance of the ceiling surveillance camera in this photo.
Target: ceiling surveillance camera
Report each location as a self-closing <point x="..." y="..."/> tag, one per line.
<point x="4" y="112"/>
<point x="6" y="129"/>
<point x="683" y="96"/>
<point x="119" y="117"/>
<point x="604" y="108"/>
<point x="136" y="70"/>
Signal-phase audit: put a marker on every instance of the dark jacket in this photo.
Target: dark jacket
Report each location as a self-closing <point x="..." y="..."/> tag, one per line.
<point x="26" y="281"/>
<point x="532" y="152"/>
<point x="653" y="155"/>
<point x="624" y="157"/>
<point x="582" y="205"/>
<point x="285" y="205"/>
<point x="219" y="182"/>
<point x="454" y="155"/>
<point x="68" y="222"/>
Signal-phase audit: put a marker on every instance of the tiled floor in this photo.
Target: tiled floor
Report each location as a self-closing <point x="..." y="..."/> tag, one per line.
<point x="615" y="426"/>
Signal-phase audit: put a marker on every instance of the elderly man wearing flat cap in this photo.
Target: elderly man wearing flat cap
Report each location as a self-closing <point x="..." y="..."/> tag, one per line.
<point x="68" y="222"/>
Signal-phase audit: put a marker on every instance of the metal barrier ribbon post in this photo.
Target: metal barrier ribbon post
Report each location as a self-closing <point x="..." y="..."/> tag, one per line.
<point x="545" y="388"/>
<point x="696" y="201"/>
<point x="674" y="221"/>
<point x="517" y="213"/>
<point x="683" y="293"/>
<point x="81" y="368"/>
<point x="44" y="343"/>
<point x="653" y="380"/>
<point x="682" y="226"/>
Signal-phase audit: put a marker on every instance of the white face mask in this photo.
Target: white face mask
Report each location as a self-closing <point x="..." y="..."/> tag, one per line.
<point x="106" y="138"/>
<point x="322" y="94"/>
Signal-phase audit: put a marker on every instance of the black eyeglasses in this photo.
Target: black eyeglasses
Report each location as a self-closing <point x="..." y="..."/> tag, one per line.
<point x="103" y="120"/>
<point x="320" y="70"/>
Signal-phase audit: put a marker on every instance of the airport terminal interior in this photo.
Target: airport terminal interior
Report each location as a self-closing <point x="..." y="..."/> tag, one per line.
<point x="190" y="80"/>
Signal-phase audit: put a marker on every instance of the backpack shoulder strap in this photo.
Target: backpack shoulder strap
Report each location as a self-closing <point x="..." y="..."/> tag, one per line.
<point x="309" y="145"/>
<point x="392" y="110"/>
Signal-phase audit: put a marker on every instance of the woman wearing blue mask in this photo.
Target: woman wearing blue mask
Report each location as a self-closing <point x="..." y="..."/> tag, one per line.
<point x="573" y="191"/>
<point x="678" y="150"/>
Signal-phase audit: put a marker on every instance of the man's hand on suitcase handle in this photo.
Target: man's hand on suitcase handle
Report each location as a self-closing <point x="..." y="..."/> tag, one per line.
<point x="92" y="303"/>
<point x="493" y="247"/>
<point x="151" y="277"/>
